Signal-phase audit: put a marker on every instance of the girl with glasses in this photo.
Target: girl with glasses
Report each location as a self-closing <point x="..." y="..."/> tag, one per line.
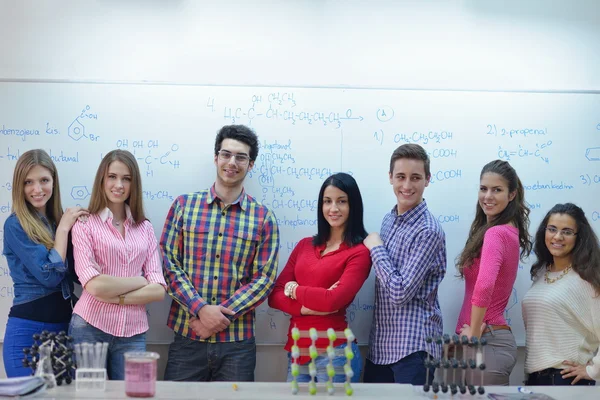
<point x="489" y="264"/>
<point x="561" y="310"/>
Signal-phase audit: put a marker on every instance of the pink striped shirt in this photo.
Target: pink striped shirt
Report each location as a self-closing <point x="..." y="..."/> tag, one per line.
<point x="99" y="248"/>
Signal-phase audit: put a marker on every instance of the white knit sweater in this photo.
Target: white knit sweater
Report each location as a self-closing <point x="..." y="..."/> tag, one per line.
<point x="562" y="320"/>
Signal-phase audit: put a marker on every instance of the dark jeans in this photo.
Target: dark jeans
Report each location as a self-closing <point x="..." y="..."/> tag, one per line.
<point x="411" y="369"/>
<point x="552" y="377"/>
<point x="191" y="360"/>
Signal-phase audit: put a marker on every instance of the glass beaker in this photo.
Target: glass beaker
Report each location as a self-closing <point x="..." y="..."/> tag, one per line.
<point x="140" y="373"/>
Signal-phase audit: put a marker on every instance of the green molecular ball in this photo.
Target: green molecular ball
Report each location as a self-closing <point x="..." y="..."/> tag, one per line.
<point x="295" y="370"/>
<point x="295" y="333"/>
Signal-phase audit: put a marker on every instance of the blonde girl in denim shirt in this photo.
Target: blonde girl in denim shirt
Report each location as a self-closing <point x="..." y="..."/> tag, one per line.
<point x="36" y="236"/>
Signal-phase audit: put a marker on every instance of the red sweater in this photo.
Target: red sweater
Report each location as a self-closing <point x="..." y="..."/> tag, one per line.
<point x="315" y="274"/>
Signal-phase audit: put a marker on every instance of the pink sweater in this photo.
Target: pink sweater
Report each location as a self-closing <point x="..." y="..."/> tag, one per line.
<point x="490" y="279"/>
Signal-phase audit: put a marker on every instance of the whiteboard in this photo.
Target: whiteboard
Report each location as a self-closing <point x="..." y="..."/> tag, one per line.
<point x="552" y="139"/>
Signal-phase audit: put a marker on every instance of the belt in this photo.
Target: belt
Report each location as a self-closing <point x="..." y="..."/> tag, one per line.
<point x="547" y="372"/>
<point x="492" y="328"/>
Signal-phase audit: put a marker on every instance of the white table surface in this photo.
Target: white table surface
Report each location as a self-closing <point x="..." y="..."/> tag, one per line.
<point x="281" y="391"/>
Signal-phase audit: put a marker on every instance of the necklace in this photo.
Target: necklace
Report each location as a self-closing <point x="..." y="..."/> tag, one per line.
<point x="116" y="223"/>
<point x="552" y="280"/>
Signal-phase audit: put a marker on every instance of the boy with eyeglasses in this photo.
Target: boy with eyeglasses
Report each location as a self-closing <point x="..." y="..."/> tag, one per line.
<point x="220" y="251"/>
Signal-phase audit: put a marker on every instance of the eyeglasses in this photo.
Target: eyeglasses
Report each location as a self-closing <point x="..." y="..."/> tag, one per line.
<point x="240" y="158"/>
<point x="564" y="232"/>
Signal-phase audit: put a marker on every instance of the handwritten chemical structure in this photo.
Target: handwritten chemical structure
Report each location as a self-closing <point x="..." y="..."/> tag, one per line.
<point x="524" y="152"/>
<point x="523" y="132"/>
<point x="309" y="117"/>
<point x="80" y="192"/>
<point x="445" y="175"/>
<point x="157" y="195"/>
<point x="280" y="106"/>
<point x="148" y="155"/>
<point x="76" y="129"/>
<point x="415" y="137"/>
<point x="592" y="153"/>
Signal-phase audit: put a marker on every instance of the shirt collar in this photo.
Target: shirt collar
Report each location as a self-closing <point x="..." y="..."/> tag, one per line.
<point x="242" y="200"/>
<point x="411" y="214"/>
<point x="106" y="213"/>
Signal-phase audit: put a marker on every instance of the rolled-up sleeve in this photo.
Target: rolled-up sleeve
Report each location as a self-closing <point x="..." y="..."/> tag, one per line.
<point x="86" y="266"/>
<point x="153" y="271"/>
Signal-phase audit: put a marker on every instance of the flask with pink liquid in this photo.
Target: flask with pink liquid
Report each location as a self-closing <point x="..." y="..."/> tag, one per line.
<point x="140" y="373"/>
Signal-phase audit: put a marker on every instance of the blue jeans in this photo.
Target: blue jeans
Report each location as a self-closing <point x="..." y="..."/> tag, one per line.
<point x="19" y="335"/>
<point x="411" y="369"/>
<point x="82" y="332"/>
<point x="197" y="361"/>
<point x="321" y="362"/>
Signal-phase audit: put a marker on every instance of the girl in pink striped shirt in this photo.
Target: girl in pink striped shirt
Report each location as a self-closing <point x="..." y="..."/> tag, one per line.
<point x="118" y="263"/>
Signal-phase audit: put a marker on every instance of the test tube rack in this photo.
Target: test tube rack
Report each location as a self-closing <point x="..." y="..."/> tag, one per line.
<point x="91" y="366"/>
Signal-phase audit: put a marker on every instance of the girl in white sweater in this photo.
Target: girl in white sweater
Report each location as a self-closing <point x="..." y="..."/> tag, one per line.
<point x="562" y="309"/>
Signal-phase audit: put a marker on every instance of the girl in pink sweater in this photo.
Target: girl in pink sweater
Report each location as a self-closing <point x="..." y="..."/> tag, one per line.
<point x="489" y="264"/>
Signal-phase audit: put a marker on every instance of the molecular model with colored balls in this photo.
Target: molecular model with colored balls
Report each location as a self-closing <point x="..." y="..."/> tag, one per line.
<point x="314" y="351"/>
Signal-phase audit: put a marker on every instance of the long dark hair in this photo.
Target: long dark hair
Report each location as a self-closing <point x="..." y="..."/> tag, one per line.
<point x="516" y="212"/>
<point x="355" y="231"/>
<point x="585" y="256"/>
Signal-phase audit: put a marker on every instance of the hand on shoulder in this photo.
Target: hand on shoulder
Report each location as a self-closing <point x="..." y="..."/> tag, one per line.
<point x="372" y="240"/>
<point x="71" y="215"/>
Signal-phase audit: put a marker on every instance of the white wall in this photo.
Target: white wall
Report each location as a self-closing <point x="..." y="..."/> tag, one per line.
<point x="444" y="44"/>
<point x="537" y="45"/>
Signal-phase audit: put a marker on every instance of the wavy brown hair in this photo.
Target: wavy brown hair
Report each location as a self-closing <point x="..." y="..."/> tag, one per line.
<point x="99" y="201"/>
<point x="516" y="212"/>
<point x="585" y="256"/>
<point x="28" y="217"/>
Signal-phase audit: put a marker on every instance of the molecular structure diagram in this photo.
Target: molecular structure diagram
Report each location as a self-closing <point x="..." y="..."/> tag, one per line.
<point x="56" y="347"/>
<point x="467" y="357"/>
<point x="313" y="352"/>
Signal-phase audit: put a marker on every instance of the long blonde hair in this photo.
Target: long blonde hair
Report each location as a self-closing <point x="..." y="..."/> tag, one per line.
<point x="99" y="201"/>
<point x="25" y="212"/>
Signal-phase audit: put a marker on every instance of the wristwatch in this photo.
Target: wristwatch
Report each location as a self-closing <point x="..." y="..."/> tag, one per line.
<point x="121" y="299"/>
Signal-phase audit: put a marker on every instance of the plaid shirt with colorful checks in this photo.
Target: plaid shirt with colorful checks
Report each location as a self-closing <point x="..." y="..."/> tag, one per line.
<point x="220" y="256"/>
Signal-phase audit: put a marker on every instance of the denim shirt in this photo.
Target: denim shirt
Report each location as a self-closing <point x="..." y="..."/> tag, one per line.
<point x="35" y="271"/>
